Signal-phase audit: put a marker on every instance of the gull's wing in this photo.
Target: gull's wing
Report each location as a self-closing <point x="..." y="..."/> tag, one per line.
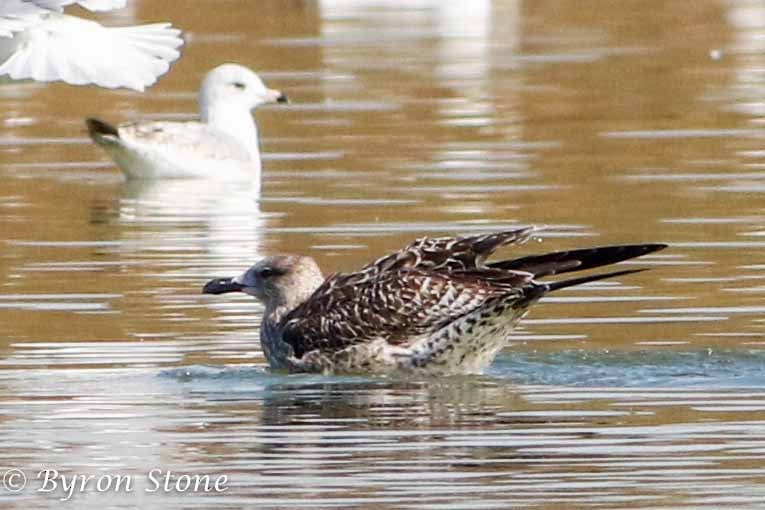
<point x="91" y="5"/>
<point x="398" y="306"/>
<point x="47" y="46"/>
<point x="192" y="139"/>
<point x="446" y="253"/>
<point x="411" y="292"/>
<point x="16" y="16"/>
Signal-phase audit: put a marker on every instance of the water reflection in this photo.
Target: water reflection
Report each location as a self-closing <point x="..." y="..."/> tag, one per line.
<point x="747" y="47"/>
<point x="220" y="223"/>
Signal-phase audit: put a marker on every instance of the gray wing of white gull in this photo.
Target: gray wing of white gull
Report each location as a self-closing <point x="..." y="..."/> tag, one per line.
<point x="195" y="140"/>
<point x="39" y="42"/>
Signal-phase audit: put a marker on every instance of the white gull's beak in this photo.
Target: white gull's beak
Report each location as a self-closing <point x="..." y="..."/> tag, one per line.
<point x="276" y="96"/>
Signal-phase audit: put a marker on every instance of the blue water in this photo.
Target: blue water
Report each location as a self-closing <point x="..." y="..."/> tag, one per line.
<point x="581" y="368"/>
<point x="656" y="368"/>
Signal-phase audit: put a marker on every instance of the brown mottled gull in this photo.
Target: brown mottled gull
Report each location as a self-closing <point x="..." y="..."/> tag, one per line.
<point x="435" y="306"/>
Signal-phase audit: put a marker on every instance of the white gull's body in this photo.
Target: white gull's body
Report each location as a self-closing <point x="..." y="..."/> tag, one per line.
<point x="39" y="42"/>
<point x="222" y="145"/>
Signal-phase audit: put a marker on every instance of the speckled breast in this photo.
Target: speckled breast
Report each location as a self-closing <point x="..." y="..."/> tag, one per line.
<point x="469" y="344"/>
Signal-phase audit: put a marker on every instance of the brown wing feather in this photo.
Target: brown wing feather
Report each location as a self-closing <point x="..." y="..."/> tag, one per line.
<point x="446" y="253"/>
<point x="397" y="306"/>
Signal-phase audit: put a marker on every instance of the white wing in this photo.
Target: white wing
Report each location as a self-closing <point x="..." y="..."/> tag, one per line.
<point x="79" y="52"/>
<point x="18" y="15"/>
<point x="26" y="12"/>
<point x="91" y="5"/>
<point x="45" y="45"/>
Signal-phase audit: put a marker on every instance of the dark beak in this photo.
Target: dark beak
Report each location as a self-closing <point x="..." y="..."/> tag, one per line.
<point x="282" y="98"/>
<point x="221" y="286"/>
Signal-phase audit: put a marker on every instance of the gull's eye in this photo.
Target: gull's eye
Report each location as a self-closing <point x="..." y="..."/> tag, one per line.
<point x="266" y="272"/>
<point x="240" y="85"/>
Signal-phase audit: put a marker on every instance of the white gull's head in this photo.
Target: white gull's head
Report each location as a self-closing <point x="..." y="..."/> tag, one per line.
<point x="231" y="87"/>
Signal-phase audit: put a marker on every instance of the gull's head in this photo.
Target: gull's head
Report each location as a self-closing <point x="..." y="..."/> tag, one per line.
<point x="232" y="85"/>
<point x="281" y="281"/>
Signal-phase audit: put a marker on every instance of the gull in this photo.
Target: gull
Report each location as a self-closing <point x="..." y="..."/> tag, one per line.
<point x="434" y="307"/>
<point x="39" y="41"/>
<point x="222" y="145"/>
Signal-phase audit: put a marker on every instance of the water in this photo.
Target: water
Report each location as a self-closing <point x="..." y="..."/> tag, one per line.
<point x="408" y="119"/>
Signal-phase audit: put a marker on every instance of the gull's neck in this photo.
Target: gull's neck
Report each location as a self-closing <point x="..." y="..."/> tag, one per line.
<point x="278" y="353"/>
<point x="279" y="306"/>
<point x="235" y="121"/>
<point x="275" y="312"/>
<point x="293" y="289"/>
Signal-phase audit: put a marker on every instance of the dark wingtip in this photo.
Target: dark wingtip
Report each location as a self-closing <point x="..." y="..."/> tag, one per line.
<point x="603" y="256"/>
<point x="221" y="286"/>
<point x="99" y="128"/>
<point x="650" y="248"/>
<point x="562" y="284"/>
<point x="282" y="98"/>
<point x="577" y="260"/>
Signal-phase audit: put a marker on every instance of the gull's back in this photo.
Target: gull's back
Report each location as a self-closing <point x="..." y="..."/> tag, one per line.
<point x="149" y="150"/>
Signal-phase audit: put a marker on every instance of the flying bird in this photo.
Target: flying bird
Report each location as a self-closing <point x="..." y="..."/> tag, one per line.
<point x="437" y="306"/>
<point x="39" y="42"/>
<point x="222" y="145"/>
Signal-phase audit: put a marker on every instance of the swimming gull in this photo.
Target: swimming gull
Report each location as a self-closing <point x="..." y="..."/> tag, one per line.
<point x="39" y="41"/>
<point x="434" y="307"/>
<point x="222" y="145"/>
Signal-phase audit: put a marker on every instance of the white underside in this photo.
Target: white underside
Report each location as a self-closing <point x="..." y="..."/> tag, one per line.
<point x="170" y="164"/>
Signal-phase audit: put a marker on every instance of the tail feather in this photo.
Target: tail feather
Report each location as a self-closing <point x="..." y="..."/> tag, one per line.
<point x="488" y="243"/>
<point x="576" y="260"/>
<point x="100" y="131"/>
<point x="477" y="248"/>
<point x="562" y="284"/>
<point x="537" y="290"/>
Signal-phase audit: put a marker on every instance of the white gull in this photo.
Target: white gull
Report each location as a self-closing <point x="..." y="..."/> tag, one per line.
<point x="222" y="145"/>
<point x="38" y="41"/>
